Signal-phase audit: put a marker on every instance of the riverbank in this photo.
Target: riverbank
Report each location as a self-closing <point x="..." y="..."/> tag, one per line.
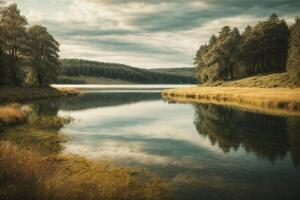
<point x="19" y="94"/>
<point x="281" y="101"/>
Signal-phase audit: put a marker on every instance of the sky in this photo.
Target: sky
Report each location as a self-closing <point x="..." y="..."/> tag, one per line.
<point x="145" y="33"/>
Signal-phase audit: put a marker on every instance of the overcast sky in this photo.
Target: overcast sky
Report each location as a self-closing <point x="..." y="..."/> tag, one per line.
<point x="149" y="33"/>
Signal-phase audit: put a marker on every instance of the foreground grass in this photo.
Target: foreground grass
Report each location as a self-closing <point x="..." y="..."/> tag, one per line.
<point x="12" y="114"/>
<point x="26" y="174"/>
<point x="268" y="100"/>
<point x="282" y="80"/>
<point x="16" y="94"/>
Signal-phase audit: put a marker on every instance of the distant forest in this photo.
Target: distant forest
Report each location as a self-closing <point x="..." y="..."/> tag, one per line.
<point x="77" y="67"/>
<point x="269" y="46"/>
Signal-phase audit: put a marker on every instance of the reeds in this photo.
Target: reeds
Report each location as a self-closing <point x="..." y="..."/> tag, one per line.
<point x="25" y="174"/>
<point x="12" y="114"/>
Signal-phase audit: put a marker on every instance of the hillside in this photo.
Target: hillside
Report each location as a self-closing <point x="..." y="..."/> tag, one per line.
<point x="275" y="80"/>
<point x="83" y="71"/>
<point x="187" y="71"/>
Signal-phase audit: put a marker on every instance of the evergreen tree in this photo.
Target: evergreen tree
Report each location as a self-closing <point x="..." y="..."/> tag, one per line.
<point x="42" y="55"/>
<point x="293" y="64"/>
<point x="14" y="37"/>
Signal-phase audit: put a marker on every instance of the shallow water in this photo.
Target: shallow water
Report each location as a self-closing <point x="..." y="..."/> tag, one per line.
<point x="204" y="151"/>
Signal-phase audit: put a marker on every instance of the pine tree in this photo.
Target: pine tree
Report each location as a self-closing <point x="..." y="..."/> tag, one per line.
<point x="293" y="64"/>
<point x="43" y="56"/>
<point x="14" y="36"/>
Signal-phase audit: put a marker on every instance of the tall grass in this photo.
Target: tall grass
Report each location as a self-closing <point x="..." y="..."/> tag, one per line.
<point x="12" y="114"/>
<point x="269" y="100"/>
<point x="25" y="174"/>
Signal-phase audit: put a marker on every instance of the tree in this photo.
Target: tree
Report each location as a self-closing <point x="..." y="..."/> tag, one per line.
<point x="42" y="55"/>
<point x="264" y="47"/>
<point x="293" y="63"/>
<point x="13" y="26"/>
<point x="3" y="73"/>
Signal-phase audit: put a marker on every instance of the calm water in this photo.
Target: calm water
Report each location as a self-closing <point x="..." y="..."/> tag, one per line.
<point x="204" y="151"/>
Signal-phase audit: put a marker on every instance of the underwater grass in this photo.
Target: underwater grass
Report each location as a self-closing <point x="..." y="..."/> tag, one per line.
<point x="26" y="174"/>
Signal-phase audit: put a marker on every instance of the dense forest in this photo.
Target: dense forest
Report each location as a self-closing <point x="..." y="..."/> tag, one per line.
<point x="270" y="46"/>
<point x="77" y="67"/>
<point x="28" y="55"/>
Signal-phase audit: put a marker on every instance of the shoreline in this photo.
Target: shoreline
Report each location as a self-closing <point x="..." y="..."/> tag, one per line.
<point x="21" y="94"/>
<point x="275" y="101"/>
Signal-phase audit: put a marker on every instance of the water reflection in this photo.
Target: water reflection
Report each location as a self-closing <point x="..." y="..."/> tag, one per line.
<point x="95" y="99"/>
<point x="266" y="136"/>
<point x="206" y="151"/>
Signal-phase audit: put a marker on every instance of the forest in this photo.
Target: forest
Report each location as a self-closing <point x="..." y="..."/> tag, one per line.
<point x="268" y="47"/>
<point x="77" y="67"/>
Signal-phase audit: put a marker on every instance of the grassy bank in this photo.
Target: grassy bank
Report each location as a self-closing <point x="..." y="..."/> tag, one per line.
<point x="26" y="174"/>
<point x="17" y="94"/>
<point x="277" y="80"/>
<point x="268" y="100"/>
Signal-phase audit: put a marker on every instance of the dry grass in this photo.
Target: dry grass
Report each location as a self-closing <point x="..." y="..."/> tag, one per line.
<point x="282" y="80"/>
<point x="25" y="174"/>
<point x="17" y="94"/>
<point x="269" y="100"/>
<point x="12" y="114"/>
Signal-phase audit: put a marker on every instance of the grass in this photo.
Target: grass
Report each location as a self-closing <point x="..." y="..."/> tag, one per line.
<point x="26" y="174"/>
<point x="17" y="94"/>
<point x="12" y="114"/>
<point x="282" y="80"/>
<point x="281" y="101"/>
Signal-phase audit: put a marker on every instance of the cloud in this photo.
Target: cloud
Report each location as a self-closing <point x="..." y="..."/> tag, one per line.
<point x="148" y="33"/>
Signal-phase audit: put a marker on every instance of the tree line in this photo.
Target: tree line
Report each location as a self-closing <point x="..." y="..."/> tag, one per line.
<point x="78" y="67"/>
<point x="28" y="55"/>
<point x="269" y="46"/>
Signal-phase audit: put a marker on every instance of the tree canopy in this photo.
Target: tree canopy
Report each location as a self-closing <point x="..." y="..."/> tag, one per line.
<point x="230" y="55"/>
<point x="25" y="53"/>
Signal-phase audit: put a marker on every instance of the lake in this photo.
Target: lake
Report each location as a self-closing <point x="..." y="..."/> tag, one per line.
<point x="204" y="151"/>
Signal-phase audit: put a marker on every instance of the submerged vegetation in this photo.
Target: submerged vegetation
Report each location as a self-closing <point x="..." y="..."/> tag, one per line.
<point x="26" y="174"/>
<point x="33" y="167"/>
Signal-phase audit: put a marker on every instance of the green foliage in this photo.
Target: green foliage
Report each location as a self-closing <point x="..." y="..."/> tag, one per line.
<point x="24" y="51"/>
<point x="231" y="55"/>
<point x="76" y="67"/>
<point x="293" y="64"/>
<point x="42" y="55"/>
<point x="13" y="26"/>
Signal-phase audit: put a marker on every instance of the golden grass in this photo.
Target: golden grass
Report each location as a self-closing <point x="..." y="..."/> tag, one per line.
<point x="12" y="114"/>
<point x="282" y="101"/>
<point x="13" y="94"/>
<point x="25" y="174"/>
<point x="276" y="80"/>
